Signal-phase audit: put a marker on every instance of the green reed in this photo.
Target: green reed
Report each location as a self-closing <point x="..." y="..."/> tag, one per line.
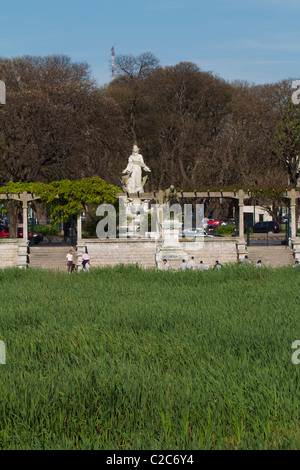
<point x="126" y="358"/>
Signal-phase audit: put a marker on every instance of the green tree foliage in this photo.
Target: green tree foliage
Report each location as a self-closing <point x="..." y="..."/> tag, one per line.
<point x="66" y="198"/>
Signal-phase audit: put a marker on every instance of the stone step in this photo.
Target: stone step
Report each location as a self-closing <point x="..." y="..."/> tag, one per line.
<point x="50" y="257"/>
<point x="271" y="255"/>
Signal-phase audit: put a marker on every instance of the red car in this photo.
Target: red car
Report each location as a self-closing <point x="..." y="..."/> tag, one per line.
<point x="214" y="222"/>
<point x="4" y="233"/>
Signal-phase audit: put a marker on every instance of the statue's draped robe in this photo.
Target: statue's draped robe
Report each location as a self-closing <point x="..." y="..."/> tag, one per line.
<point x="134" y="182"/>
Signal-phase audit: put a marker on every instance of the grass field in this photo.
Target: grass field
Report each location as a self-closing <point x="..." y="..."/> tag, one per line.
<point x="127" y="358"/>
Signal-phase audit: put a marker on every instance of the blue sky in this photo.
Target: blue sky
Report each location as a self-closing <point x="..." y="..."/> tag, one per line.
<point x="253" y="40"/>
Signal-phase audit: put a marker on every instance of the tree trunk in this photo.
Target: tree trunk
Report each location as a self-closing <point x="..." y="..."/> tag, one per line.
<point x="41" y="212"/>
<point x="14" y="210"/>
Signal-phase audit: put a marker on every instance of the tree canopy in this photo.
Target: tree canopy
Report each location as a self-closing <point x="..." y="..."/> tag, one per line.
<point x="56" y="123"/>
<point x="66" y="198"/>
<point x="192" y="127"/>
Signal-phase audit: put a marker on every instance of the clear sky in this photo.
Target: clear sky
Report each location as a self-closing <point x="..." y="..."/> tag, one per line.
<point x="253" y="40"/>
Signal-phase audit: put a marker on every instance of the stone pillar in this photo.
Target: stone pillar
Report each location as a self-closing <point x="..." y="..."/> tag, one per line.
<point x="293" y="218"/>
<point x="23" y="254"/>
<point x="25" y="220"/>
<point x="160" y="214"/>
<point x="79" y="227"/>
<point x="80" y="248"/>
<point x="241" y="213"/>
<point x="171" y="248"/>
<point x="157" y="221"/>
<point x="24" y="243"/>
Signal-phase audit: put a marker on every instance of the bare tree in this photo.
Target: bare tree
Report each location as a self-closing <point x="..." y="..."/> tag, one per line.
<point x="56" y="122"/>
<point x="128" y="88"/>
<point x="138" y="67"/>
<point x="287" y="141"/>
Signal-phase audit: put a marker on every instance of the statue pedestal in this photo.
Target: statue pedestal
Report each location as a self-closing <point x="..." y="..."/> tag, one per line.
<point x="171" y="249"/>
<point x="133" y="222"/>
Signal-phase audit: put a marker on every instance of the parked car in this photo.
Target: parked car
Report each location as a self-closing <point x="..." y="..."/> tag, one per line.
<point x="266" y="227"/>
<point x="198" y="232"/>
<point x="227" y="222"/>
<point x="37" y="237"/>
<point x="214" y="222"/>
<point x="4" y="232"/>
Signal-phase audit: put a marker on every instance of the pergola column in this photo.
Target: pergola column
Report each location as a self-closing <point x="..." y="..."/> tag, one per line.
<point x="25" y="220"/>
<point x="160" y="215"/>
<point x="241" y="213"/>
<point x="79" y="227"/>
<point x="293" y="218"/>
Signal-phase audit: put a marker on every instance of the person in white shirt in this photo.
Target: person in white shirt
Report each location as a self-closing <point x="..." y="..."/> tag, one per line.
<point x="166" y="265"/>
<point x="192" y="264"/>
<point x="85" y="261"/>
<point x="203" y="267"/>
<point x="183" y="265"/>
<point x="205" y="223"/>
<point x="70" y="261"/>
<point x="246" y="260"/>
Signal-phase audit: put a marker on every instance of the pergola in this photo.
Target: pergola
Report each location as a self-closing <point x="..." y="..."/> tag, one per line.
<point x="24" y="198"/>
<point x="292" y="195"/>
<point x="239" y="195"/>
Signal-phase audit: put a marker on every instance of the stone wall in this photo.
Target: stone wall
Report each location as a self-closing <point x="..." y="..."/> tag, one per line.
<point x="224" y="250"/>
<point x="9" y="253"/>
<point x="111" y="252"/>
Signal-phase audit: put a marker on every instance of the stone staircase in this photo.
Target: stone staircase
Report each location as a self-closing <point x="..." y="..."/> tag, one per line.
<point x="54" y="257"/>
<point x="50" y="257"/>
<point x="112" y="254"/>
<point x="271" y="256"/>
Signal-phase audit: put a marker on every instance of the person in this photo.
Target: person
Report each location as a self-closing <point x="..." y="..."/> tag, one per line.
<point x="297" y="264"/>
<point x="203" y="267"/>
<point x="133" y="172"/>
<point x="205" y="223"/>
<point x="192" y="264"/>
<point x="217" y="265"/>
<point x="85" y="261"/>
<point x="246" y="261"/>
<point x="258" y="264"/>
<point x="166" y="265"/>
<point x="183" y="265"/>
<point x="70" y="261"/>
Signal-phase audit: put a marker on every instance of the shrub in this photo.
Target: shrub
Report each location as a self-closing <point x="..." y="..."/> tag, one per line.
<point x="46" y="230"/>
<point x="225" y="229"/>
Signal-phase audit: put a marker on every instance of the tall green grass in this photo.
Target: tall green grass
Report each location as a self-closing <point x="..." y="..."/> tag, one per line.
<point x="127" y="358"/>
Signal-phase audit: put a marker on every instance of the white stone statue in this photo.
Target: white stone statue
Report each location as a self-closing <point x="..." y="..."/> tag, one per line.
<point x="133" y="172"/>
